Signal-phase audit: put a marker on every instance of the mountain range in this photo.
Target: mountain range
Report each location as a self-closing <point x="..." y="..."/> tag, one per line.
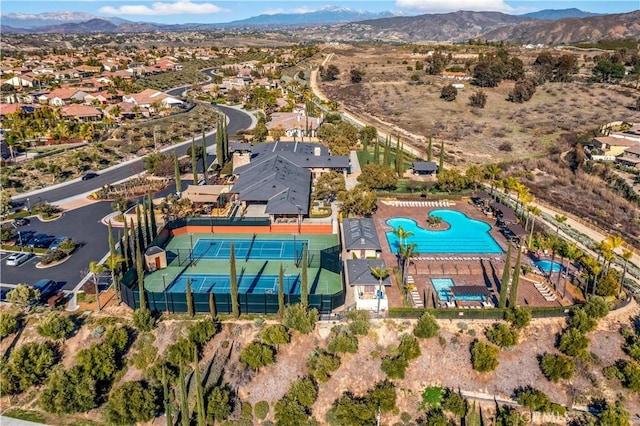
<point x="341" y="23"/>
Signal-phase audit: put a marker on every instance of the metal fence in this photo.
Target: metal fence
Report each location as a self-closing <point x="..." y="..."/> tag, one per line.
<point x="249" y="303"/>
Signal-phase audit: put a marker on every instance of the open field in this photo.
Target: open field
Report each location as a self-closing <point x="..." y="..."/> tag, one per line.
<point x="503" y="130"/>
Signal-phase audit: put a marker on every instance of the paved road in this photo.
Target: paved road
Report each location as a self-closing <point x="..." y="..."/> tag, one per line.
<point x="238" y="120"/>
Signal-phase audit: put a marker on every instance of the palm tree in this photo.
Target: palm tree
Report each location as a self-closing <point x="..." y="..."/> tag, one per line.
<point x="533" y="212"/>
<point x="96" y="268"/>
<point x="626" y="256"/>
<point x="402" y="235"/>
<point x="406" y="254"/>
<point x="571" y="253"/>
<point x="380" y="273"/>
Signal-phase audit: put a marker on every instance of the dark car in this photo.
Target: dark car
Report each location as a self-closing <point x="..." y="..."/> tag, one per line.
<point x="35" y="239"/>
<point x="89" y="175"/>
<point x="22" y="221"/>
<point x="46" y="287"/>
<point x="44" y="242"/>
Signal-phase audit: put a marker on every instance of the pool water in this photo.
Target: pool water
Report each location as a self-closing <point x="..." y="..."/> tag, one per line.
<point x="544" y="266"/>
<point x="442" y="286"/>
<point x="465" y="235"/>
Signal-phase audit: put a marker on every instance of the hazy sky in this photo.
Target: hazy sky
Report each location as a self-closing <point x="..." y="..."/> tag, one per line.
<point x="212" y="11"/>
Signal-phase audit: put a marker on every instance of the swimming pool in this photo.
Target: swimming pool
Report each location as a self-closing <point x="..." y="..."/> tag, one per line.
<point x="465" y="235"/>
<point x="544" y="266"/>
<point x="247" y="249"/>
<point x="219" y="283"/>
<point x="443" y="287"/>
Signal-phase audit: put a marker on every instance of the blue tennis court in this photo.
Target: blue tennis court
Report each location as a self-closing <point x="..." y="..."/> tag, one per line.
<point x="219" y="283"/>
<point x="214" y="248"/>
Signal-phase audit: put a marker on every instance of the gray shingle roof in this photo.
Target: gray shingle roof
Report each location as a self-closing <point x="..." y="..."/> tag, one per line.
<point x="425" y="166"/>
<point x="277" y="181"/>
<point x="360" y="234"/>
<point x="302" y="154"/>
<point x="359" y="272"/>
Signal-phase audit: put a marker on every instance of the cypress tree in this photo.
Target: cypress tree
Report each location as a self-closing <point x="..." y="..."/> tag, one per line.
<point x="219" y="145"/>
<point x="365" y="149"/>
<point x="304" y="286"/>
<point x="125" y="247"/>
<point x="429" y="151"/>
<point x="147" y="227"/>
<point x="504" y="283"/>
<point x="194" y="162"/>
<point x="212" y="307"/>
<point x="513" y="297"/>
<point x="225" y="138"/>
<point x="441" y="159"/>
<point x="140" y="271"/>
<point x="141" y="240"/>
<point x="233" y="281"/>
<point x="152" y="218"/>
<point x="189" y="299"/>
<point x="132" y="241"/>
<point x="200" y="407"/>
<point x="166" y="398"/>
<point x="281" y="290"/>
<point x="376" y="153"/>
<point x="176" y="170"/>
<point x="386" y="158"/>
<point x="205" y="165"/>
<point x="185" y="414"/>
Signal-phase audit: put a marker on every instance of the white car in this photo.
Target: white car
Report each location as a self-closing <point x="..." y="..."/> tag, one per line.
<point x="18" y="259"/>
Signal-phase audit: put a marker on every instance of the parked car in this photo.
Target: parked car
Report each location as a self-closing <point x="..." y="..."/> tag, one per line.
<point x="22" y="221"/>
<point x="33" y="240"/>
<point x="25" y="236"/>
<point x="17" y="259"/>
<point x="44" y="242"/>
<point x="55" y="244"/>
<point x="47" y="288"/>
<point x="89" y="175"/>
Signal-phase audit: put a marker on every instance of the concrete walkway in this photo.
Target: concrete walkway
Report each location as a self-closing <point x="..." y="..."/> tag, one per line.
<point x="10" y="421"/>
<point x="352" y="179"/>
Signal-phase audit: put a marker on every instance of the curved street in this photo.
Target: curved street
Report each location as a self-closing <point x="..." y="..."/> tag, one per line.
<point x="83" y="223"/>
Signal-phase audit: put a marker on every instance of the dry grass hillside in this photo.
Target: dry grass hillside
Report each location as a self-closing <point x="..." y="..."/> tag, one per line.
<point x="503" y="130"/>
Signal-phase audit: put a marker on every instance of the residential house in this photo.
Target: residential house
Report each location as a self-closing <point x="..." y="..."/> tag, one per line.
<point x="630" y="157"/>
<point x="62" y="96"/>
<point x="151" y="96"/>
<point x="294" y="124"/>
<point x="20" y="81"/>
<point x="360" y="239"/>
<point x="369" y="292"/>
<point x="613" y="146"/>
<point x="83" y="113"/>
<point x="203" y="194"/>
<point x="456" y="75"/>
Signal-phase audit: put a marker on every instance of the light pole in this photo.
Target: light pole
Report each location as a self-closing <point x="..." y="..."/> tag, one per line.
<point x="166" y="301"/>
<point x="28" y="205"/>
<point x="19" y="235"/>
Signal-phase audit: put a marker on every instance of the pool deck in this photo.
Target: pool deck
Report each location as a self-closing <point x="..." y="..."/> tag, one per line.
<point x="464" y="269"/>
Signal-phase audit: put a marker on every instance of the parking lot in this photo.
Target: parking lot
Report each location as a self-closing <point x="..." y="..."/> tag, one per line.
<point x="84" y="227"/>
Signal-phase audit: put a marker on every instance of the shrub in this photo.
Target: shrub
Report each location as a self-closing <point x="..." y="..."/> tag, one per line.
<point x="533" y="399"/>
<point x="523" y="90"/>
<point x="478" y="99"/>
<point x="219" y="405"/>
<point x="68" y="392"/>
<point x="261" y="409"/>
<point x="502" y="335"/>
<point x="359" y="322"/>
<point x="505" y="146"/>
<point x="557" y="367"/>
<point x="133" y="402"/>
<point x="454" y="402"/>
<point x="596" y="307"/>
<point x="484" y="358"/>
<point x="573" y="343"/>
<point x="409" y="347"/>
<point x="55" y="326"/>
<point x="297" y="317"/>
<point x="256" y="355"/>
<point x="449" y="93"/>
<point x="303" y="391"/>
<point x="343" y="341"/>
<point x="52" y="256"/>
<point x="321" y="364"/>
<point x="581" y="321"/>
<point x="180" y="352"/>
<point x="275" y="335"/>
<point x="519" y="317"/>
<point x="28" y="365"/>
<point x="145" y="353"/>
<point x="426" y="327"/>
<point x="8" y="324"/>
<point x="202" y="331"/>
<point x="143" y="320"/>
<point x="394" y="366"/>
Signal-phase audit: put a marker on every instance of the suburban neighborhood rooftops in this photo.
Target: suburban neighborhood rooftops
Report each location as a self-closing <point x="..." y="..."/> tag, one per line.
<point x="360" y="234"/>
<point x="359" y="272"/>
